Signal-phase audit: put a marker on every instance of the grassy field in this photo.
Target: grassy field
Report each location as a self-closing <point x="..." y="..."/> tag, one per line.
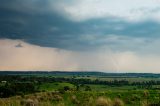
<point x="54" y="86"/>
<point x="72" y="90"/>
<point x="85" y="98"/>
<point x="50" y="96"/>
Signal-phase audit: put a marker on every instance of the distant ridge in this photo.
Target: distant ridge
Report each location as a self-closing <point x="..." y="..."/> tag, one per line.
<point x="78" y="73"/>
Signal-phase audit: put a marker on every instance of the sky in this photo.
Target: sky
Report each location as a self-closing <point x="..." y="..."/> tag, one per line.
<point x="80" y="35"/>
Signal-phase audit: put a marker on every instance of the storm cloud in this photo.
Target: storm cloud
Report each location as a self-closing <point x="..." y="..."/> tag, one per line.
<point x="47" y="23"/>
<point x="123" y="28"/>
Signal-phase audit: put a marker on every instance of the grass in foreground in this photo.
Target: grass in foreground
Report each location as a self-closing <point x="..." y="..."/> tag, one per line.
<point x="85" y="98"/>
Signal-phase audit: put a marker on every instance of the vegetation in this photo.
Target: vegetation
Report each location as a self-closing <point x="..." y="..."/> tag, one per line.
<point x="78" y="89"/>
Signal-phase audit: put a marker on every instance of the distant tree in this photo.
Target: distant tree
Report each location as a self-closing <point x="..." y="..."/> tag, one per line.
<point x="88" y="88"/>
<point x="66" y="88"/>
<point x="6" y="92"/>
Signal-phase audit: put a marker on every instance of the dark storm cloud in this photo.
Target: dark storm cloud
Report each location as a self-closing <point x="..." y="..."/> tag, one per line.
<point x="34" y="22"/>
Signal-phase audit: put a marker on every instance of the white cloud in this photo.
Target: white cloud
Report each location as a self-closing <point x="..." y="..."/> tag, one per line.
<point x="31" y="57"/>
<point x="128" y="10"/>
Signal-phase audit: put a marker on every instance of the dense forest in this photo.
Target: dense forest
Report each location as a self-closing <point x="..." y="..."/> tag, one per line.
<point x="80" y="73"/>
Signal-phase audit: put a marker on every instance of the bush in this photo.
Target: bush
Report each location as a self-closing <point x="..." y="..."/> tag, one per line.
<point x="144" y="103"/>
<point x="118" y="102"/>
<point x="146" y="93"/>
<point x="88" y="88"/>
<point x="119" y="95"/>
<point x="61" y="91"/>
<point x="136" y="98"/>
<point x="29" y="102"/>
<point x="74" y="99"/>
<point x="57" y="98"/>
<point x="101" y="101"/>
<point x="66" y="88"/>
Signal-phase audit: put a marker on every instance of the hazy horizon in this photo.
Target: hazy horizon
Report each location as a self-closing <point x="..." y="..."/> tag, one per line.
<point x="57" y="35"/>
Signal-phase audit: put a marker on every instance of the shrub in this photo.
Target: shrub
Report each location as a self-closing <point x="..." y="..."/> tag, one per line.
<point x="88" y="88"/>
<point x="119" y="95"/>
<point x="61" y="91"/>
<point x="144" y="103"/>
<point x="101" y="101"/>
<point x="135" y="98"/>
<point x="29" y="102"/>
<point x="57" y="98"/>
<point x="118" y="102"/>
<point x="146" y="93"/>
<point x="66" y="88"/>
<point x="74" y="99"/>
<point x="90" y="101"/>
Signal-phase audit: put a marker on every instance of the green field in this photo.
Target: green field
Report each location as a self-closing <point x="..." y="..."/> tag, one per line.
<point x="54" y="86"/>
<point x="79" y="90"/>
